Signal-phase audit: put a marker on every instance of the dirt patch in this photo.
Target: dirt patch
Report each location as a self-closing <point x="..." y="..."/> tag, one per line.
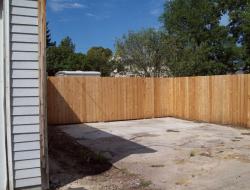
<point x="73" y="166"/>
<point x="157" y="165"/>
<point x="172" y="131"/>
<point x="245" y="134"/>
<point x="239" y="157"/>
<point x="142" y="135"/>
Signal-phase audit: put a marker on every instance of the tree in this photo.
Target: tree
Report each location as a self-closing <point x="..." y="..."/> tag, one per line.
<point x="203" y="45"/>
<point x="239" y="27"/>
<point x="49" y="42"/>
<point x="246" y="37"/>
<point x="98" y="59"/>
<point x="142" y="52"/>
<point x="64" y="57"/>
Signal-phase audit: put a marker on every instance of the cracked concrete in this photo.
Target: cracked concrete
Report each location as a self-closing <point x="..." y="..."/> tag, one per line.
<point x="173" y="153"/>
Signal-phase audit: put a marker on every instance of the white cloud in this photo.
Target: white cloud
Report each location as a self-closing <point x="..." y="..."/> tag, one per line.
<point x="60" y="5"/>
<point x="90" y="15"/>
<point x="156" y="7"/>
<point x="97" y="17"/>
<point x="155" y="12"/>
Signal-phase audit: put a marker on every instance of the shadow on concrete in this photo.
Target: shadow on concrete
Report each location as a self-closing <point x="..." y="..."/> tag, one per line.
<point x="86" y="151"/>
<point x="89" y="152"/>
<point x="111" y="146"/>
<point x="69" y="161"/>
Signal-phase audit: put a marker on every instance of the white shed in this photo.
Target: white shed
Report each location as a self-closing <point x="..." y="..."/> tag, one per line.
<point x="23" y="157"/>
<point x="79" y="73"/>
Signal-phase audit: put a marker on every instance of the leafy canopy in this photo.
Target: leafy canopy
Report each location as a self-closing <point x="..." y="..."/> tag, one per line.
<point x="202" y="46"/>
<point x="142" y="52"/>
<point x="98" y="59"/>
<point x="64" y="57"/>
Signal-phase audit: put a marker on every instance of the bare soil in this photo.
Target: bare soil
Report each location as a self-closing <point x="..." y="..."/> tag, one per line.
<point x="75" y="167"/>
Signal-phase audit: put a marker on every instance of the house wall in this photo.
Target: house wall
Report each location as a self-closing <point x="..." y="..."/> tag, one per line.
<point x="24" y="85"/>
<point x="3" y="152"/>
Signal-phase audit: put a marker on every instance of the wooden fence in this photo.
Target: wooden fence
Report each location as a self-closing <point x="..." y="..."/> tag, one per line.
<point x="215" y="99"/>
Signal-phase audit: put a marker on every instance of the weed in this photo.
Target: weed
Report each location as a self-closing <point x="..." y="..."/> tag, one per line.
<point x="192" y="153"/>
<point x="145" y="183"/>
<point x="157" y="166"/>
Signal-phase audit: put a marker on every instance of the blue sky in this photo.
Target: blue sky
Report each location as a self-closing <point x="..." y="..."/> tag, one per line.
<point x="99" y="22"/>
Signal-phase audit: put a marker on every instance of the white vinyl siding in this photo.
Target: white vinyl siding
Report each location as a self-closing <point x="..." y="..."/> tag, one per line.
<point x="23" y="120"/>
<point x="28" y="182"/>
<point x="25" y="65"/>
<point x="26" y="164"/>
<point x="26" y="155"/>
<point x="23" y="29"/>
<point x="27" y="146"/>
<point x="25" y="129"/>
<point x="25" y="83"/>
<point x="24" y="47"/>
<point x="3" y="131"/>
<point x="24" y="56"/>
<point x="25" y="92"/>
<point x="24" y="3"/>
<point x="27" y="110"/>
<point x="26" y="20"/>
<point x="24" y="73"/>
<point x="25" y="101"/>
<point x="26" y="137"/>
<point x="22" y="37"/>
<point x="26" y="173"/>
<point x="24" y="11"/>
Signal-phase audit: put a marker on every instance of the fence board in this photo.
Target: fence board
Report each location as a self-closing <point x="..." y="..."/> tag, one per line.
<point x="216" y="99"/>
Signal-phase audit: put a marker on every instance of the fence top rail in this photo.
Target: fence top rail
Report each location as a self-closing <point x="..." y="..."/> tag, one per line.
<point x="185" y="77"/>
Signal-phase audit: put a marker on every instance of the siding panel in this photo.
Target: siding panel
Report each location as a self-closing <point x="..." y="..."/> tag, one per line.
<point x="26" y="155"/>
<point x="25" y="92"/>
<point x="27" y="110"/>
<point x="24" y="29"/>
<point x="24" y="20"/>
<point x="27" y="38"/>
<point x="27" y="101"/>
<point x="25" y="65"/>
<point x="24" y="47"/>
<point x="28" y="182"/>
<point x="32" y="188"/>
<point x="26" y="137"/>
<point x="27" y="173"/>
<point x="21" y="129"/>
<point x="24" y="44"/>
<point x="25" y="164"/>
<point x="23" y="56"/>
<point x="27" y="146"/>
<point x="24" y="11"/>
<point x="23" y="120"/>
<point x="24" y="3"/>
<point x="25" y="74"/>
<point x="25" y="83"/>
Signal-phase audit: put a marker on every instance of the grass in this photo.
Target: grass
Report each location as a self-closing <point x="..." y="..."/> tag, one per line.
<point x="182" y="182"/>
<point x="145" y="183"/>
<point x="192" y="153"/>
<point x="157" y="166"/>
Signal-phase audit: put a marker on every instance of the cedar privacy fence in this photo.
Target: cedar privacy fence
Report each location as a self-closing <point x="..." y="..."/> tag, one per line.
<point x="216" y="99"/>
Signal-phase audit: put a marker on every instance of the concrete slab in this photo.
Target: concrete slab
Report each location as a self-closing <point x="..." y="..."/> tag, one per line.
<point x="173" y="153"/>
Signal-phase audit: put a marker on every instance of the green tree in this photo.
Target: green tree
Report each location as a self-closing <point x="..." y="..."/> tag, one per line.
<point x="99" y="59"/>
<point x="49" y="42"/>
<point x="246" y="37"/>
<point x="64" y="57"/>
<point x="142" y="53"/>
<point x="203" y="46"/>
<point x="239" y="27"/>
